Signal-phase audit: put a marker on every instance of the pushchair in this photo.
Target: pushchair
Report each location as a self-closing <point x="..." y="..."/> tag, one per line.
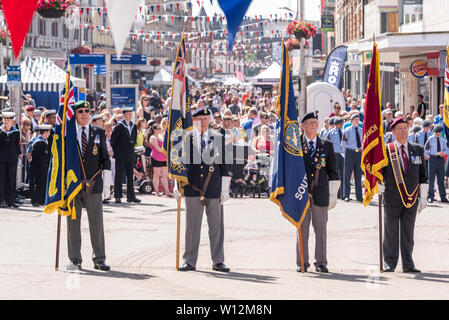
<point x="145" y="184"/>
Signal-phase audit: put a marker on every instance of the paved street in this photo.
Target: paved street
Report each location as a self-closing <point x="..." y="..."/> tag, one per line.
<point x="259" y="248"/>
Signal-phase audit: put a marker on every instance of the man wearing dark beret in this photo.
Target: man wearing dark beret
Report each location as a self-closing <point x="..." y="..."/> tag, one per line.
<point x="322" y="177"/>
<point x="405" y="190"/>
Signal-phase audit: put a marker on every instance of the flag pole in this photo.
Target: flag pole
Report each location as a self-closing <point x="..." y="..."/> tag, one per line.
<point x="58" y="237"/>
<point x="381" y="260"/>
<point x="178" y="230"/>
<point x="301" y="250"/>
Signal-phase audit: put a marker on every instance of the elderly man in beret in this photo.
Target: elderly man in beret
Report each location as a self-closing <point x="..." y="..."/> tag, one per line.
<point x="405" y="194"/>
<point x="322" y="176"/>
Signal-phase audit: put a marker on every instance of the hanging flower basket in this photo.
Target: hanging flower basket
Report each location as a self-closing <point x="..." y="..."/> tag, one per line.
<point x="81" y="50"/>
<point x="292" y="44"/>
<point x="301" y="29"/>
<point x="53" y="9"/>
<point x="3" y="35"/>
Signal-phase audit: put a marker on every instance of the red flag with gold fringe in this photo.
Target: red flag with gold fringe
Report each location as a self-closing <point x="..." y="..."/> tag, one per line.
<point x="374" y="156"/>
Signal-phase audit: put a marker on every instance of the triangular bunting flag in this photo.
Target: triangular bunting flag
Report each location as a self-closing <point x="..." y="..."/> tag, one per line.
<point x="121" y="16"/>
<point x="18" y="15"/>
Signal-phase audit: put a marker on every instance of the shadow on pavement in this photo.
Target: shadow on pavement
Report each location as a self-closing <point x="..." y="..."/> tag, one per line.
<point x="241" y="276"/>
<point x="114" y="274"/>
<point x="432" y="277"/>
<point x="350" y="277"/>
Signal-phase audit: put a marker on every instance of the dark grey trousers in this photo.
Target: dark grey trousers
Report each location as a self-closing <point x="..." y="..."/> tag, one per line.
<point x="436" y="168"/>
<point x="353" y="161"/>
<point x="94" y="206"/>
<point x="318" y="216"/>
<point x="194" y="218"/>
<point x="341" y="173"/>
<point x="399" y="229"/>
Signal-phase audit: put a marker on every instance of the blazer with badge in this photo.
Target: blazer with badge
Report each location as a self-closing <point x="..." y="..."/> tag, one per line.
<point x="10" y="145"/>
<point x="416" y="174"/>
<point x="122" y="142"/>
<point x="197" y="172"/>
<point x="96" y="157"/>
<point x="324" y="158"/>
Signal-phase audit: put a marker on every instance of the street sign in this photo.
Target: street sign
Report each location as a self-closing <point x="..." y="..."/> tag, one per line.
<point x="124" y="96"/>
<point x="87" y="59"/>
<point x="13" y="76"/>
<point x="129" y="59"/>
<point x="100" y="70"/>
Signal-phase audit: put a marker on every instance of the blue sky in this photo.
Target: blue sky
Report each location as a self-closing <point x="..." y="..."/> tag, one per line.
<point x="258" y="7"/>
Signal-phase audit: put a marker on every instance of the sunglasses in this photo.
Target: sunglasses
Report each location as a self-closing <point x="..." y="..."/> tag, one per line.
<point x="81" y="111"/>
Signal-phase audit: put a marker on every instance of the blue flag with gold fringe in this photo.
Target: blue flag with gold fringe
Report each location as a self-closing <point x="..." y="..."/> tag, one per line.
<point x="179" y="118"/>
<point x="289" y="186"/>
<point x="64" y="172"/>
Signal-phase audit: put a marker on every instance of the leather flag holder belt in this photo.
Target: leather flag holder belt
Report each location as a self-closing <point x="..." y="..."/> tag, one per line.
<point x="206" y="184"/>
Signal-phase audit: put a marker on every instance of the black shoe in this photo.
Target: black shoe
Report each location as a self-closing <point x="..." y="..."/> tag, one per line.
<point x="35" y="204"/>
<point x="411" y="270"/>
<point x="14" y="205"/>
<point x="101" y="266"/>
<point x="106" y="201"/>
<point x="321" y="268"/>
<point x="347" y="199"/>
<point x="360" y="200"/>
<point x="298" y="269"/>
<point x="220" y="267"/>
<point x="429" y="200"/>
<point x="118" y="200"/>
<point x="186" y="267"/>
<point x="3" y="205"/>
<point x="388" y="269"/>
<point x="18" y="201"/>
<point x="135" y="200"/>
<point x="444" y="200"/>
<point x="74" y="265"/>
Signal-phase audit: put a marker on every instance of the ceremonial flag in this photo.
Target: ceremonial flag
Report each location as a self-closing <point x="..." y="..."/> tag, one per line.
<point x="180" y="119"/>
<point x="289" y="187"/>
<point x="64" y="172"/>
<point x="234" y="11"/>
<point x="446" y="97"/>
<point x="374" y="156"/>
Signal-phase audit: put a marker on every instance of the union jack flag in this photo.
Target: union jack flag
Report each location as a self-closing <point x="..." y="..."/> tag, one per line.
<point x="446" y="76"/>
<point x="70" y="102"/>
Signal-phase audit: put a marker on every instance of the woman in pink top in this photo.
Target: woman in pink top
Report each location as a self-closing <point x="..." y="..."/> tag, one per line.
<point x="159" y="161"/>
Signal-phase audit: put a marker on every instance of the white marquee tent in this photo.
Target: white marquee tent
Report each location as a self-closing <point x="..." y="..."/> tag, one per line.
<point x="269" y="76"/>
<point x="41" y="74"/>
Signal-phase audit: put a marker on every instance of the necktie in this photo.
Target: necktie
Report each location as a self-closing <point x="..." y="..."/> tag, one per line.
<point x="425" y="137"/>
<point x="438" y="145"/>
<point x="340" y="134"/>
<point x="203" y="144"/>
<point x="84" y="141"/>
<point x="404" y="159"/>
<point x="357" y="136"/>
<point x="311" y="148"/>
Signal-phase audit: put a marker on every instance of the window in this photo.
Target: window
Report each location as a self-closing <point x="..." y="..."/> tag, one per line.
<point x="54" y="29"/>
<point x="65" y="31"/>
<point x="42" y="27"/>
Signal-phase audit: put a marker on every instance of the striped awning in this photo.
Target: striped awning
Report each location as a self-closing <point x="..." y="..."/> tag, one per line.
<point x="41" y="74"/>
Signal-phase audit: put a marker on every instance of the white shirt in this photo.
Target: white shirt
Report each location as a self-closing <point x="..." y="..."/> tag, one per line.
<point x="198" y="138"/>
<point x="308" y="142"/>
<point x="79" y="131"/>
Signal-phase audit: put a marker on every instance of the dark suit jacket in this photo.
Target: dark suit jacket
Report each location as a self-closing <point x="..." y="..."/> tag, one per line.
<point x="40" y="155"/>
<point x="123" y="143"/>
<point x="197" y="172"/>
<point x="96" y="157"/>
<point x="9" y="146"/>
<point x="324" y="153"/>
<point x="416" y="174"/>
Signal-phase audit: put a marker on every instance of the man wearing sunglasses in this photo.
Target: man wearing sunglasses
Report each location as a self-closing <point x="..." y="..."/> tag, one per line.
<point x="94" y="158"/>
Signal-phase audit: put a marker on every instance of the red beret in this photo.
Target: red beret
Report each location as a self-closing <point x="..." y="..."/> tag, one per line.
<point x="397" y="121"/>
<point x="29" y="108"/>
